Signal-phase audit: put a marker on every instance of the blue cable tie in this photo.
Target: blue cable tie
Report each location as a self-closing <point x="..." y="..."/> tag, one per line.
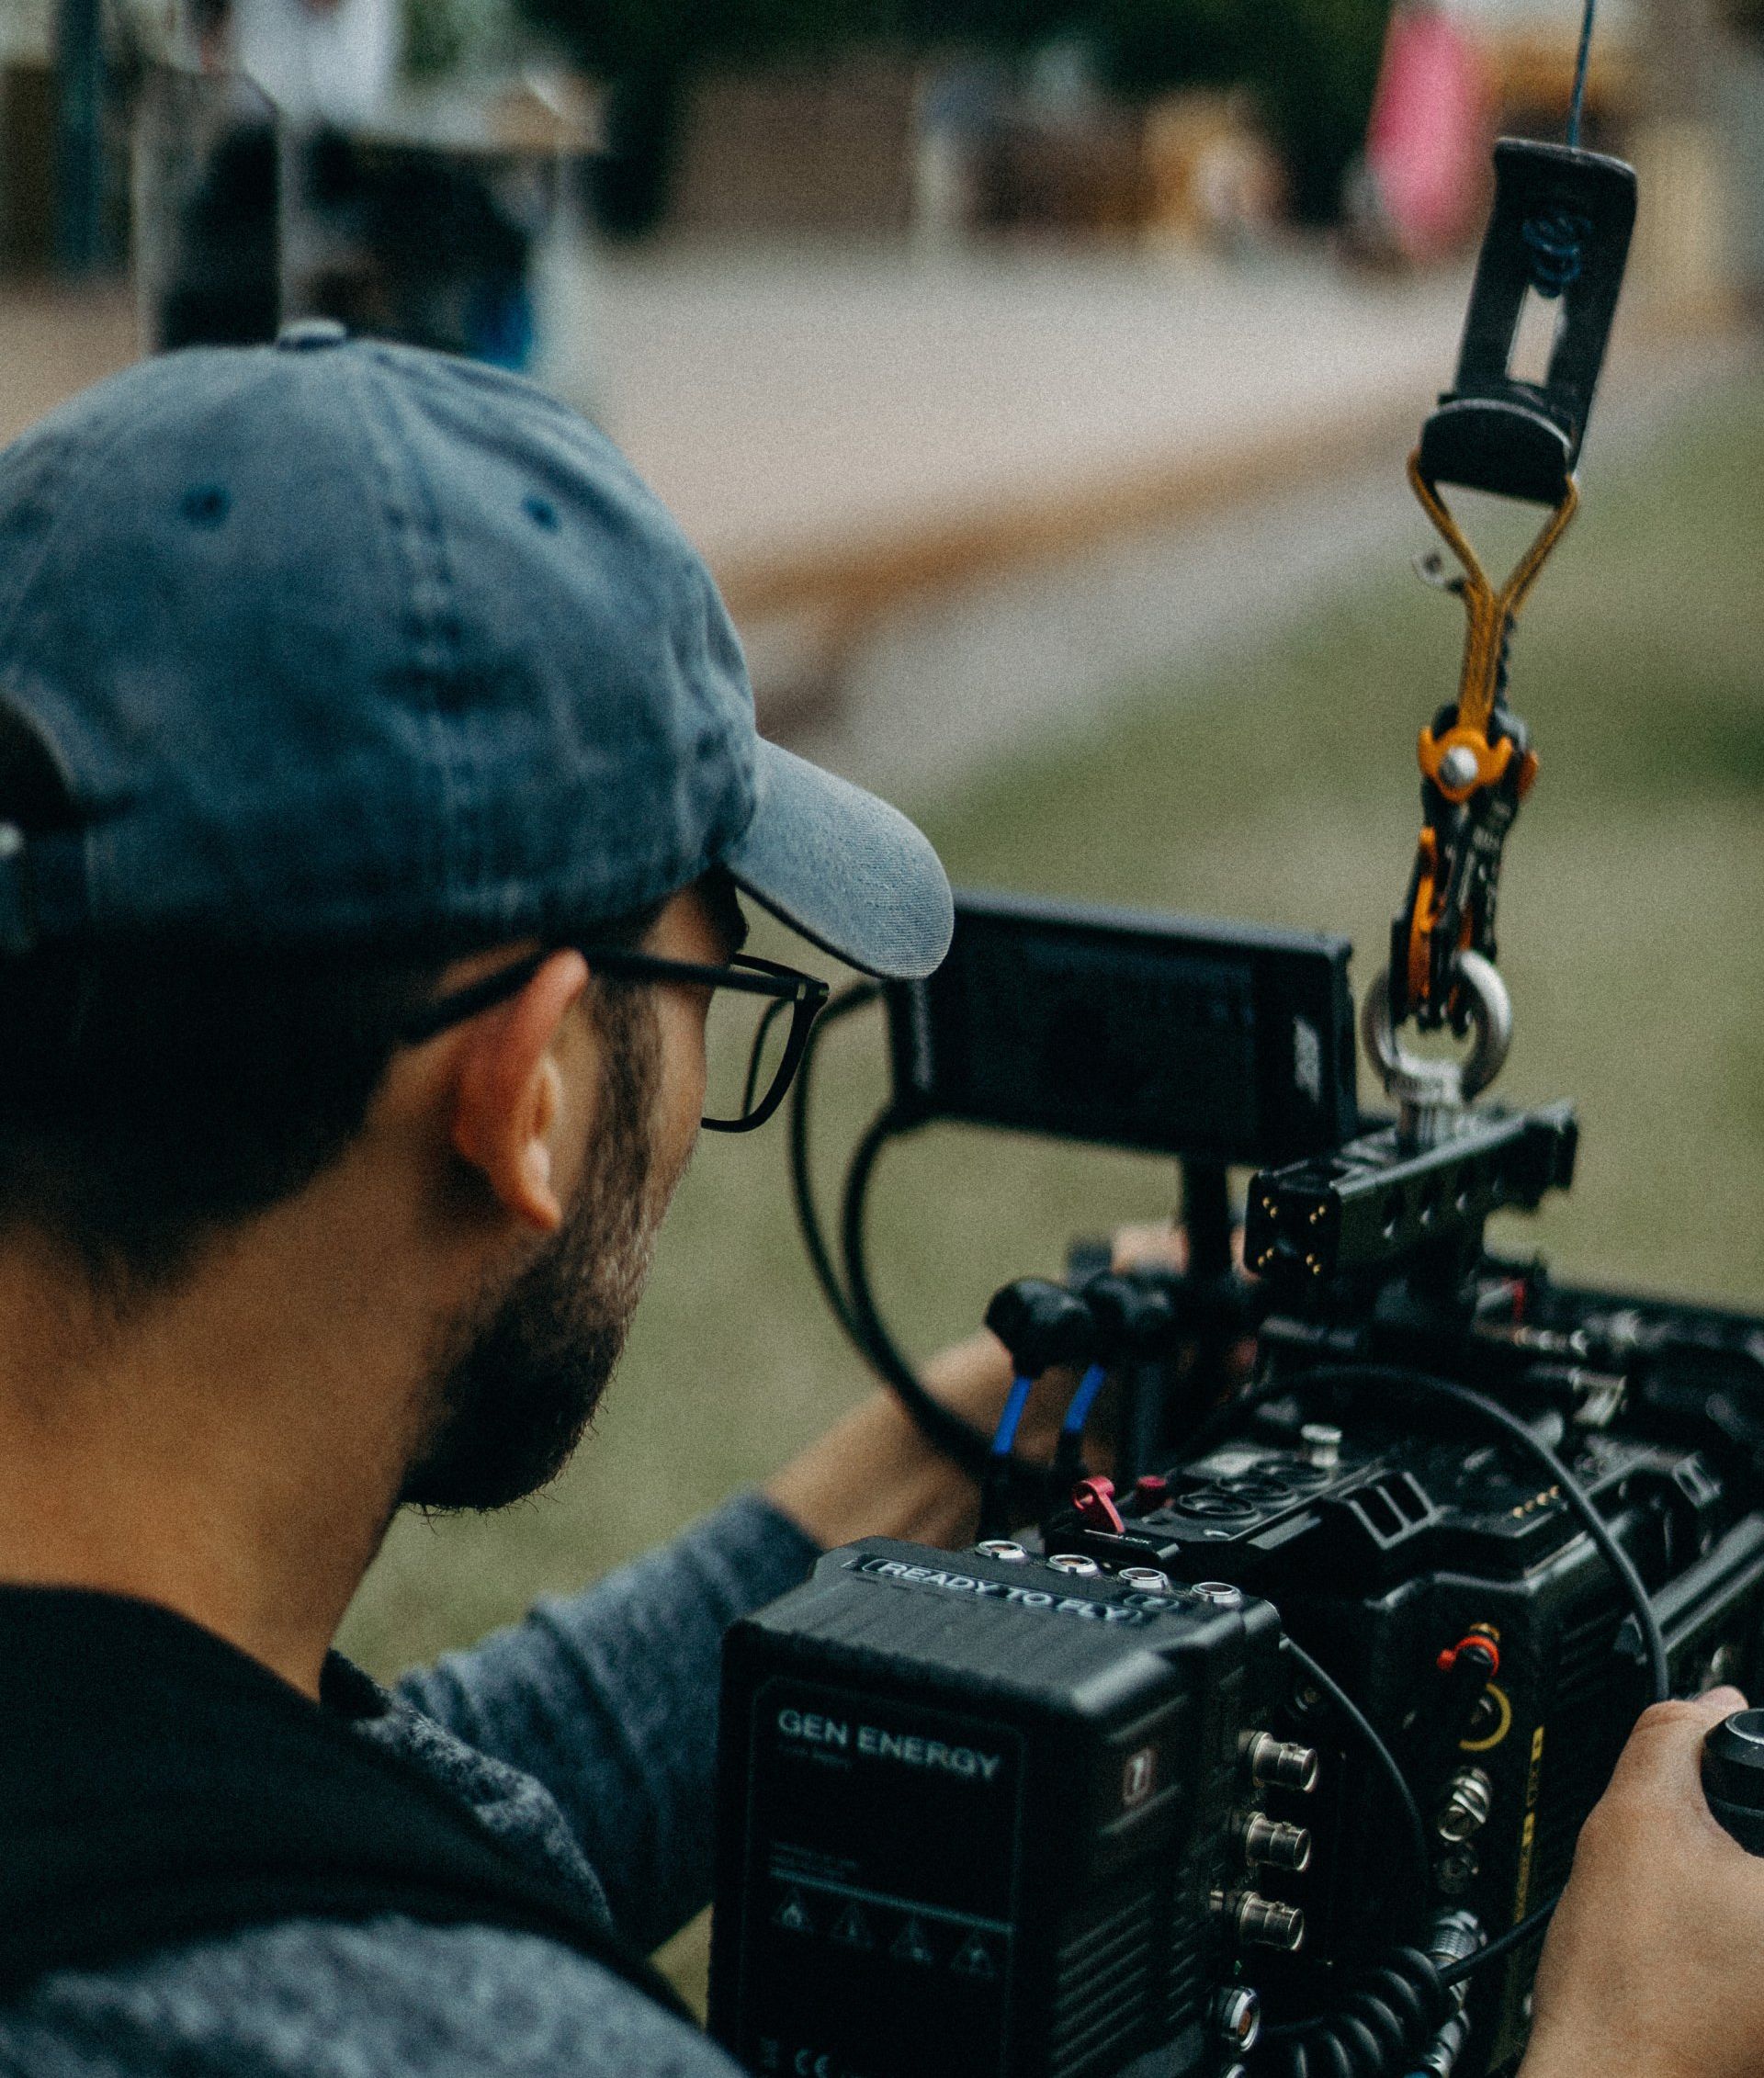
<point x="1005" y="1435"/>
<point x="1083" y="1400"/>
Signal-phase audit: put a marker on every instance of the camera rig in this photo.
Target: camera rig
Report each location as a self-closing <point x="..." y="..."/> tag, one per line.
<point x="1266" y="1752"/>
<point x="1466" y="1522"/>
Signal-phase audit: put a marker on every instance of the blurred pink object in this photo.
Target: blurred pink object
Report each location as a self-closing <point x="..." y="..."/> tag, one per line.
<point x="1427" y="143"/>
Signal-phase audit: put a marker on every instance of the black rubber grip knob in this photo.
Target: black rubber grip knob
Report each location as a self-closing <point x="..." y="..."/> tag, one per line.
<point x="1733" y="1776"/>
<point x="1041" y="1325"/>
<point x="1132" y="1316"/>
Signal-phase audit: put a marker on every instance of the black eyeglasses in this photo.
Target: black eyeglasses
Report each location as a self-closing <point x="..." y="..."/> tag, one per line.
<point x="752" y="1046"/>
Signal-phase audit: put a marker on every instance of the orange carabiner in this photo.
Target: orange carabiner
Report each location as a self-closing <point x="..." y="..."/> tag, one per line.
<point x="1489" y="614"/>
<point x="1464" y="763"/>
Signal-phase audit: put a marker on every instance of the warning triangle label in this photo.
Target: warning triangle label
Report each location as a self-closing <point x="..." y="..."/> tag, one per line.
<point x="912" y="1943"/>
<point x="975" y="1959"/>
<point x="793" y="1914"/>
<point x="853" y="1928"/>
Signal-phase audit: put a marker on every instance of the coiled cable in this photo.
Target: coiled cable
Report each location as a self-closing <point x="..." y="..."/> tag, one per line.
<point x="1555" y="239"/>
<point x="1389" y="2013"/>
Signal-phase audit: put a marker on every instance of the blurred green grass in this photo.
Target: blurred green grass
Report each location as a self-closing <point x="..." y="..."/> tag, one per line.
<point x="1279" y="786"/>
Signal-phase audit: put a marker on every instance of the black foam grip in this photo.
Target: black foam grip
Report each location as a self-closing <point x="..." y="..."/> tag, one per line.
<point x="1733" y="1776"/>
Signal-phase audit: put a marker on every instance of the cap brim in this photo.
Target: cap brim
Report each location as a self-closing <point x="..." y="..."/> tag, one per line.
<point x="846" y="870"/>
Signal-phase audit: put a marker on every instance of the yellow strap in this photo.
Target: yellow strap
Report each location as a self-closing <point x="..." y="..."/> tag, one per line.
<point x="1487" y="611"/>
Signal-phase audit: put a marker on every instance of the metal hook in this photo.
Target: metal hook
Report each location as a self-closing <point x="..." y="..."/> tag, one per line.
<point x="1432" y="1094"/>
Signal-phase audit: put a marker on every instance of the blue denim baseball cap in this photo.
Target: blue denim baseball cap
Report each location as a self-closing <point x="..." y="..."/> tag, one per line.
<point x="341" y="643"/>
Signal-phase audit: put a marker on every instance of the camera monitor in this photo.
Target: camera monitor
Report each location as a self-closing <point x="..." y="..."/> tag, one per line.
<point x="1216" y="1042"/>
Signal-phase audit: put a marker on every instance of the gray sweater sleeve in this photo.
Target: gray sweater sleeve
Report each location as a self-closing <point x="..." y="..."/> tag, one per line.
<point x="326" y="1999"/>
<point x="609" y="1698"/>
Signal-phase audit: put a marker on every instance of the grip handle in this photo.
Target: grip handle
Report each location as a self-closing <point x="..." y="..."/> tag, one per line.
<point x="1733" y="1776"/>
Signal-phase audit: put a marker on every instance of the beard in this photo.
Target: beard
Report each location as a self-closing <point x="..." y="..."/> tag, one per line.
<point x="519" y="1383"/>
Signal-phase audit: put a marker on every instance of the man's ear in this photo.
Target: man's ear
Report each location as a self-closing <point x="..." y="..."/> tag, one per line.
<point x="509" y="1094"/>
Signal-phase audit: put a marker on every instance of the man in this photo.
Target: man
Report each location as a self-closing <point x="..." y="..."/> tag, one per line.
<point x="378" y="789"/>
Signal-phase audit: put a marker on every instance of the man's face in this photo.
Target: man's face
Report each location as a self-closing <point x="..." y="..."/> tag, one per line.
<point x="525" y="1372"/>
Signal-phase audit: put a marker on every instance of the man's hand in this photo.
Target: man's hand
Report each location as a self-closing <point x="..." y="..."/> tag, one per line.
<point x="1655" y="1965"/>
<point x="875" y="1476"/>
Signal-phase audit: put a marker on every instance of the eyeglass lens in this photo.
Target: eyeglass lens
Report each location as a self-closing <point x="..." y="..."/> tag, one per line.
<point x="746" y="1041"/>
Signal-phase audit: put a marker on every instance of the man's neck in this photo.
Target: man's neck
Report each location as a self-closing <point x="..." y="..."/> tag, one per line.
<point x="232" y="1449"/>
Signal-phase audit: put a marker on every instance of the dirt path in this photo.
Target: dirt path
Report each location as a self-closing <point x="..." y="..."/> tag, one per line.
<point x="958" y="499"/>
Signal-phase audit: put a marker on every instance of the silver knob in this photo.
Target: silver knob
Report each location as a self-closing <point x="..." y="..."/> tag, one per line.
<point x="1002" y="1548"/>
<point x="1219" y="1591"/>
<point x="1146" y="1576"/>
<point x="1322" y="1444"/>
<point x="1075" y="1562"/>
<point x="1458" y="767"/>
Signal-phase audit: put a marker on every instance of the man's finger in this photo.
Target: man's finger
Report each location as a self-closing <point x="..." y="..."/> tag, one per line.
<point x="1665" y="1750"/>
<point x="1157" y="1247"/>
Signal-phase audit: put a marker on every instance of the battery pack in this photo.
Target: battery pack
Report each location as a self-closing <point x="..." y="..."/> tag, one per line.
<point x="979" y="1819"/>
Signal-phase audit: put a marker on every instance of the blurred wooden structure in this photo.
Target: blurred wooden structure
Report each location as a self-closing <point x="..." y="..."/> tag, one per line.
<point x="1533" y="78"/>
<point x="825" y="149"/>
<point x="27" y="166"/>
<point x="1070" y="179"/>
<point x="834" y="150"/>
<point x="1210" y="175"/>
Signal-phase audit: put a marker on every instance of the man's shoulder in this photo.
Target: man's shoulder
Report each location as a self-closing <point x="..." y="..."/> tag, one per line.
<point x="390" y="1996"/>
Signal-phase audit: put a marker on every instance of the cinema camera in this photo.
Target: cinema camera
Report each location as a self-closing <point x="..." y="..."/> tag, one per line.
<point x="1267" y="1753"/>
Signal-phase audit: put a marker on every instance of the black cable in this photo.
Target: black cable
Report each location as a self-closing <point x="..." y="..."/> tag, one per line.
<point x="1391" y="1378"/>
<point x="1395" y="1379"/>
<point x="853" y="1301"/>
<point x="1408" y="1812"/>
<point x="1377" y="2025"/>
<point x="873" y="1336"/>
<point x="802" y="1189"/>
<point x="1504" y="1944"/>
<point x="970" y="1448"/>
<point x="1581" y="57"/>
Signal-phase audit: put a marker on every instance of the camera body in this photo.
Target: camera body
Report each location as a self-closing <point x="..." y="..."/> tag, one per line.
<point x="1383" y="1548"/>
<point x="1359" y="1520"/>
